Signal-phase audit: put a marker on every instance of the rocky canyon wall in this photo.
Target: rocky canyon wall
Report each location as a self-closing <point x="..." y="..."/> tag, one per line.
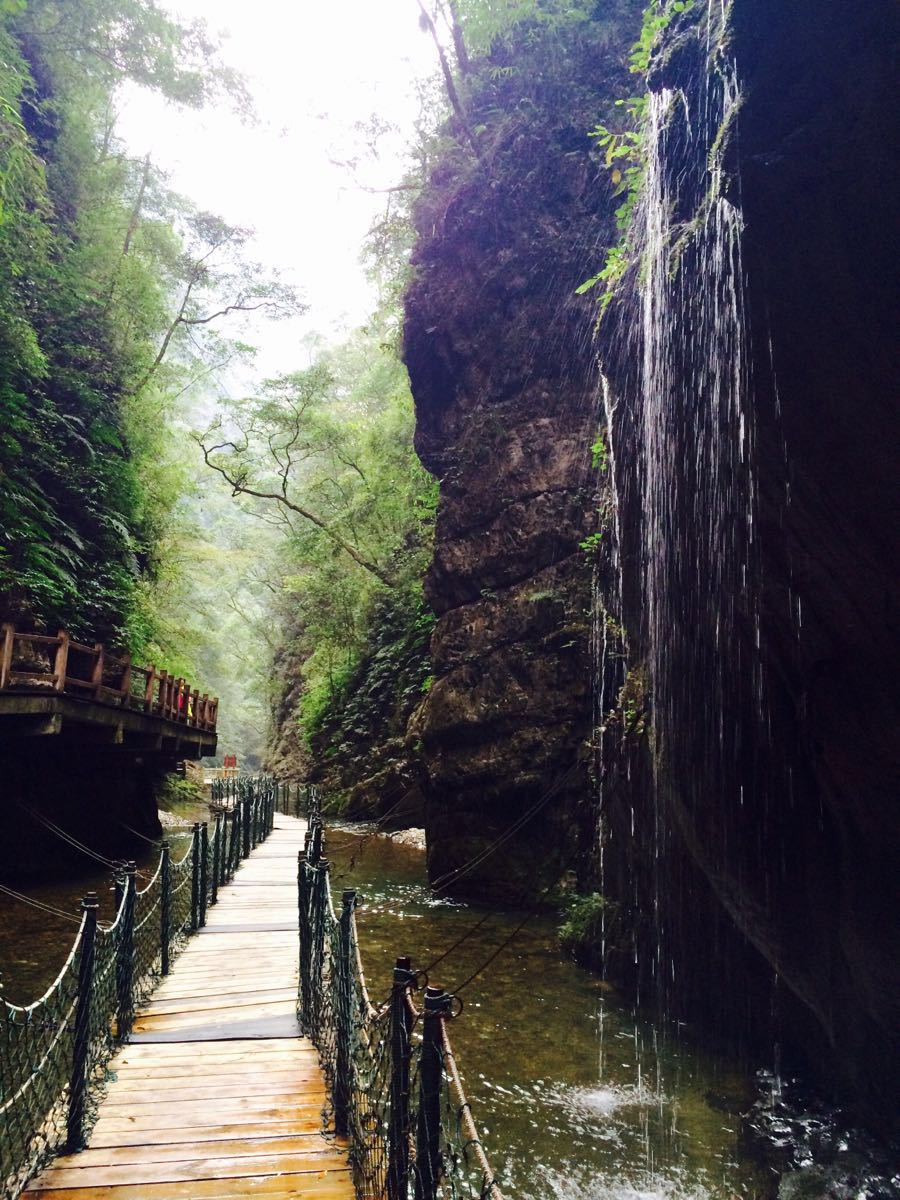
<point x="742" y="768"/>
<point x="749" y="420"/>
<point x="498" y="347"/>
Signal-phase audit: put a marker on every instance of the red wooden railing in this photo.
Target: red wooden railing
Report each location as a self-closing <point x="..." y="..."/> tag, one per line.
<point x="35" y="662"/>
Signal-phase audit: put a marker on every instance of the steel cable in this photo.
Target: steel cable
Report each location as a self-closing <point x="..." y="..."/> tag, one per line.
<point x="39" y="904"/>
<point x="67" y="837"/>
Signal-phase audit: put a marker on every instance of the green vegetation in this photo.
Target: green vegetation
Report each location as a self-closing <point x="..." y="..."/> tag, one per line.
<point x="592" y="542"/>
<point x="110" y="288"/>
<point x="600" y="453"/>
<point x="658" y="16"/>
<point x="324" y="458"/>
<point x="623" y="148"/>
<point x="180" y="796"/>
<point x="582" y="925"/>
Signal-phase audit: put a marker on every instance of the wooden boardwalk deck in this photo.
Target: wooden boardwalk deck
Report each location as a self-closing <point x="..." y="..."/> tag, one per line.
<point x="217" y="1095"/>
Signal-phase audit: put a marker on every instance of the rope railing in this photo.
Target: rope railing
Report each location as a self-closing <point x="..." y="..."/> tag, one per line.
<point x="395" y="1089"/>
<point x="54" y="1052"/>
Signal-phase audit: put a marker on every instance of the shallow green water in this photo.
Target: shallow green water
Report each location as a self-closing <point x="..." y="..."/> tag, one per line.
<point x="575" y="1097"/>
<point x="34" y="944"/>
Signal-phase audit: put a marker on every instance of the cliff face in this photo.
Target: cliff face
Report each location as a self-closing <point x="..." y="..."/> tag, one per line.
<point x="750" y="426"/>
<point x="359" y="752"/>
<point x="819" y="186"/>
<point x="744" y="653"/>
<point x="498" y="350"/>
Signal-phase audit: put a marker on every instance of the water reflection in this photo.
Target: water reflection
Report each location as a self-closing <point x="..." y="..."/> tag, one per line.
<point x="34" y="944"/>
<point x="575" y="1098"/>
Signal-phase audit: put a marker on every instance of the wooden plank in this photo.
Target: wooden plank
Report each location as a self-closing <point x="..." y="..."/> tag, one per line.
<point x="217" y="1011"/>
<point x="285" y="1098"/>
<point x="200" y="1135"/>
<point x="303" y="1118"/>
<point x="246" y="1086"/>
<point x="183" y="1170"/>
<point x="135" y="1051"/>
<point x="225" y="1078"/>
<point x="175" y="1151"/>
<point x="326" y="1185"/>
<point x="239" y="1030"/>
<point x="279" y="965"/>
<point x="273" y="1068"/>
<point x="252" y="927"/>
<point x="228" y="1000"/>
<point x="177" y="990"/>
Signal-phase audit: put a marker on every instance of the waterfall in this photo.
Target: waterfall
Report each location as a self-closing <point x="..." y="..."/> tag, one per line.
<point x="686" y="524"/>
<point x="697" y="518"/>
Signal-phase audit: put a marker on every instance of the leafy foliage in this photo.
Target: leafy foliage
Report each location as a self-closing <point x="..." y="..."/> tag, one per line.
<point x="487" y="23"/>
<point x="582" y="925"/>
<point x="658" y="16"/>
<point x="109" y="287"/>
<point x="323" y="458"/>
<point x="623" y="148"/>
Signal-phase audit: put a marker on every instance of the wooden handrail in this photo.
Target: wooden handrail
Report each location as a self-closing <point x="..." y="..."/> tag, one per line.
<point x="47" y="663"/>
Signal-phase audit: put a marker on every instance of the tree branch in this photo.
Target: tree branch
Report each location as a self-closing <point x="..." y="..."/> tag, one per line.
<point x="449" y="82"/>
<point x="241" y="489"/>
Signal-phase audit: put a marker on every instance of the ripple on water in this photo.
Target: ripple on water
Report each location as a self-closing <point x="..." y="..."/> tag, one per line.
<point x="570" y="1184"/>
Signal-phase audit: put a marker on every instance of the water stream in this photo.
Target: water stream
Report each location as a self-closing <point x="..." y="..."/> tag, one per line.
<point x="576" y="1098"/>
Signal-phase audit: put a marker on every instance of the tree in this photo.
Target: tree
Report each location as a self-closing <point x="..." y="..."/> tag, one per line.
<point x="283" y="448"/>
<point x="214" y="280"/>
<point x="111" y="290"/>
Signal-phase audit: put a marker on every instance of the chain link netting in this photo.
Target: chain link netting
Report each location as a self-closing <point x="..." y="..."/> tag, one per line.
<point x="394" y="1087"/>
<point x="54" y="1052"/>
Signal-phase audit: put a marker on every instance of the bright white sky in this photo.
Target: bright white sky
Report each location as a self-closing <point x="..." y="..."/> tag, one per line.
<point x="314" y="68"/>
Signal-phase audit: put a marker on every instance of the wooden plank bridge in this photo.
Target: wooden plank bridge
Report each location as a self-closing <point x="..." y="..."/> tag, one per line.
<point x="216" y="1094"/>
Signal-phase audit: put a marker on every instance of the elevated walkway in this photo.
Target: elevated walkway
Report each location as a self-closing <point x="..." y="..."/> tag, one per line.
<point x="52" y="685"/>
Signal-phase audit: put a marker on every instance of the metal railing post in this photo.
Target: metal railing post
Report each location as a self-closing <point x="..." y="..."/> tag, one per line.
<point x="341" y="1090"/>
<point x="204" y="872"/>
<point x="245" y="807"/>
<point x="318" y="904"/>
<point x="125" y="955"/>
<point x="78" y="1081"/>
<point x="235" y="852"/>
<point x="303" y="904"/>
<point x="195" y="879"/>
<point x="165" y="907"/>
<point x="401" y="1055"/>
<point x="315" y="842"/>
<point x="223" y="852"/>
<point x="431" y="1069"/>
<point x="217" y="860"/>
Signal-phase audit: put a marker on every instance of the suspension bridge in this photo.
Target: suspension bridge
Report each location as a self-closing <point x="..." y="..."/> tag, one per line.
<point x="217" y="1038"/>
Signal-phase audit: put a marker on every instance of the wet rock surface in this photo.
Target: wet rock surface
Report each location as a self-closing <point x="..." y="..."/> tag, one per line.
<point x="750" y="844"/>
<point x="498" y="349"/>
<point x="777" y="763"/>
